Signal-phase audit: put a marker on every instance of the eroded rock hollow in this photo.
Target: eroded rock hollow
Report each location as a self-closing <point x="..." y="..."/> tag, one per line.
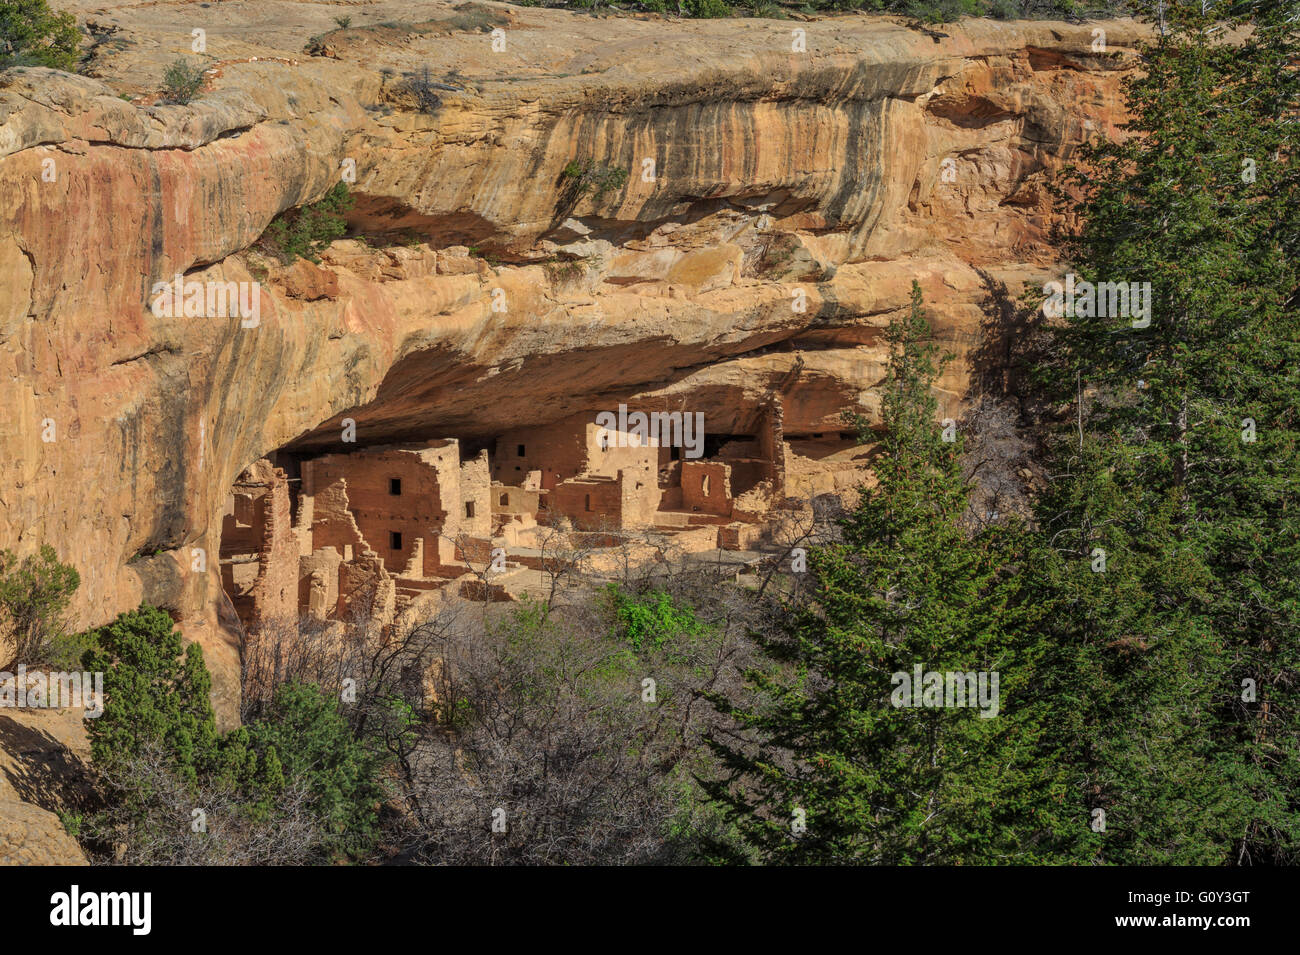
<point x="716" y="219"/>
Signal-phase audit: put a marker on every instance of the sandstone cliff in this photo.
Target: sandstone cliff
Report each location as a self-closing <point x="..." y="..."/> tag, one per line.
<point x="760" y="175"/>
<point x="43" y="760"/>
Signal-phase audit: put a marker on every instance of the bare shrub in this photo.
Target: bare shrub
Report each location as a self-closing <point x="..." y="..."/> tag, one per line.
<point x="541" y="751"/>
<point x="154" y="817"/>
<point x="998" y="462"/>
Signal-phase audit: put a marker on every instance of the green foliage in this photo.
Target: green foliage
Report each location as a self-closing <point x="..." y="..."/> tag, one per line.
<point x="156" y="706"/>
<point x="304" y="232"/>
<point x="650" y="621"/>
<point x="706" y="9"/>
<point x="1144" y="627"/>
<point x="31" y="34"/>
<point x="312" y="742"/>
<point x="34" y="596"/>
<point x="875" y="781"/>
<point x="156" y="694"/>
<point x="944" y="11"/>
<point x="182" y="82"/>
<point x="593" y="179"/>
<point x="1199" y="524"/>
<point x="343" y="22"/>
<point x="71" y="821"/>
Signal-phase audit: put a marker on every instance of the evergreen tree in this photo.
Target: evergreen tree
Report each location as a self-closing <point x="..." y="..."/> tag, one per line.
<point x="842" y="747"/>
<point x="304" y="731"/>
<point x="31" y="34"/>
<point x="1170" y="528"/>
<point x="156" y="705"/>
<point x="155" y="694"/>
<point x="34" y="597"/>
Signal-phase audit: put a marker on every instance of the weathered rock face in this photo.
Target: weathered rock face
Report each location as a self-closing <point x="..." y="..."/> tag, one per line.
<point x="43" y="755"/>
<point x="783" y="191"/>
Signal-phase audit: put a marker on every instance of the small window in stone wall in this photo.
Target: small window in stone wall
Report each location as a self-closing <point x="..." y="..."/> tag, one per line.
<point x="505" y="500"/>
<point x="587" y="502"/>
<point x="395" y="540"/>
<point x="395" y="486"/>
<point x="521" y="451"/>
<point x="469" y="508"/>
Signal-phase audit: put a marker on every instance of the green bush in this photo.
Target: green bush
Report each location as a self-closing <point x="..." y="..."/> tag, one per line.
<point x="765" y="9"/>
<point x="943" y="11"/>
<point x="156" y="693"/>
<point x="594" y="179"/>
<point x="707" y="9"/>
<point x="650" y="621"/>
<point x="156" y="745"/>
<point x="34" y="595"/>
<point x="31" y="34"/>
<point x="303" y="233"/>
<point x="182" y="82"/>
<point x="313" y="743"/>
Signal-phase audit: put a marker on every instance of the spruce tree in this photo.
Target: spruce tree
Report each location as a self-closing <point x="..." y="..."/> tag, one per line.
<point x="1169" y="530"/>
<point x="838" y="747"/>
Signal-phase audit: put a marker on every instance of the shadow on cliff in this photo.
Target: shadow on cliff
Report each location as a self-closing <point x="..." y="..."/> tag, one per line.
<point x="1013" y="342"/>
<point x="1009" y="407"/>
<point x="42" y="770"/>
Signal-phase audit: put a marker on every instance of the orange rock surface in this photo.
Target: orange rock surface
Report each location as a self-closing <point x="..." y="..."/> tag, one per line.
<point x="777" y="206"/>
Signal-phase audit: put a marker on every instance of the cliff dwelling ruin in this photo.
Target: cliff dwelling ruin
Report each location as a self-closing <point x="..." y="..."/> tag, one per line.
<point x="383" y="530"/>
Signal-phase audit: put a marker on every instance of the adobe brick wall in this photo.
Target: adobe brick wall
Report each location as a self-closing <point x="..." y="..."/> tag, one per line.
<point x="716" y="498"/>
<point x="559" y="451"/>
<point x="609" y="452"/>
<point x="332" y="522"/>
<point x="475" y="490"/>
<point x="508" y="500"/>
<point x="771" y="445"/>
<point x="275" y="595"/>
<point x="418" y="511"/>
<point x="365" y="586"/>
<point x="640" y="497"/>
<point x="590" y="503"/>
<point x="258" y="523"/>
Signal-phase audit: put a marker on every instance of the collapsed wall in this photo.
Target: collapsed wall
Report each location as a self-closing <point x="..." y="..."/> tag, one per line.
<point x="789" y="201"/>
